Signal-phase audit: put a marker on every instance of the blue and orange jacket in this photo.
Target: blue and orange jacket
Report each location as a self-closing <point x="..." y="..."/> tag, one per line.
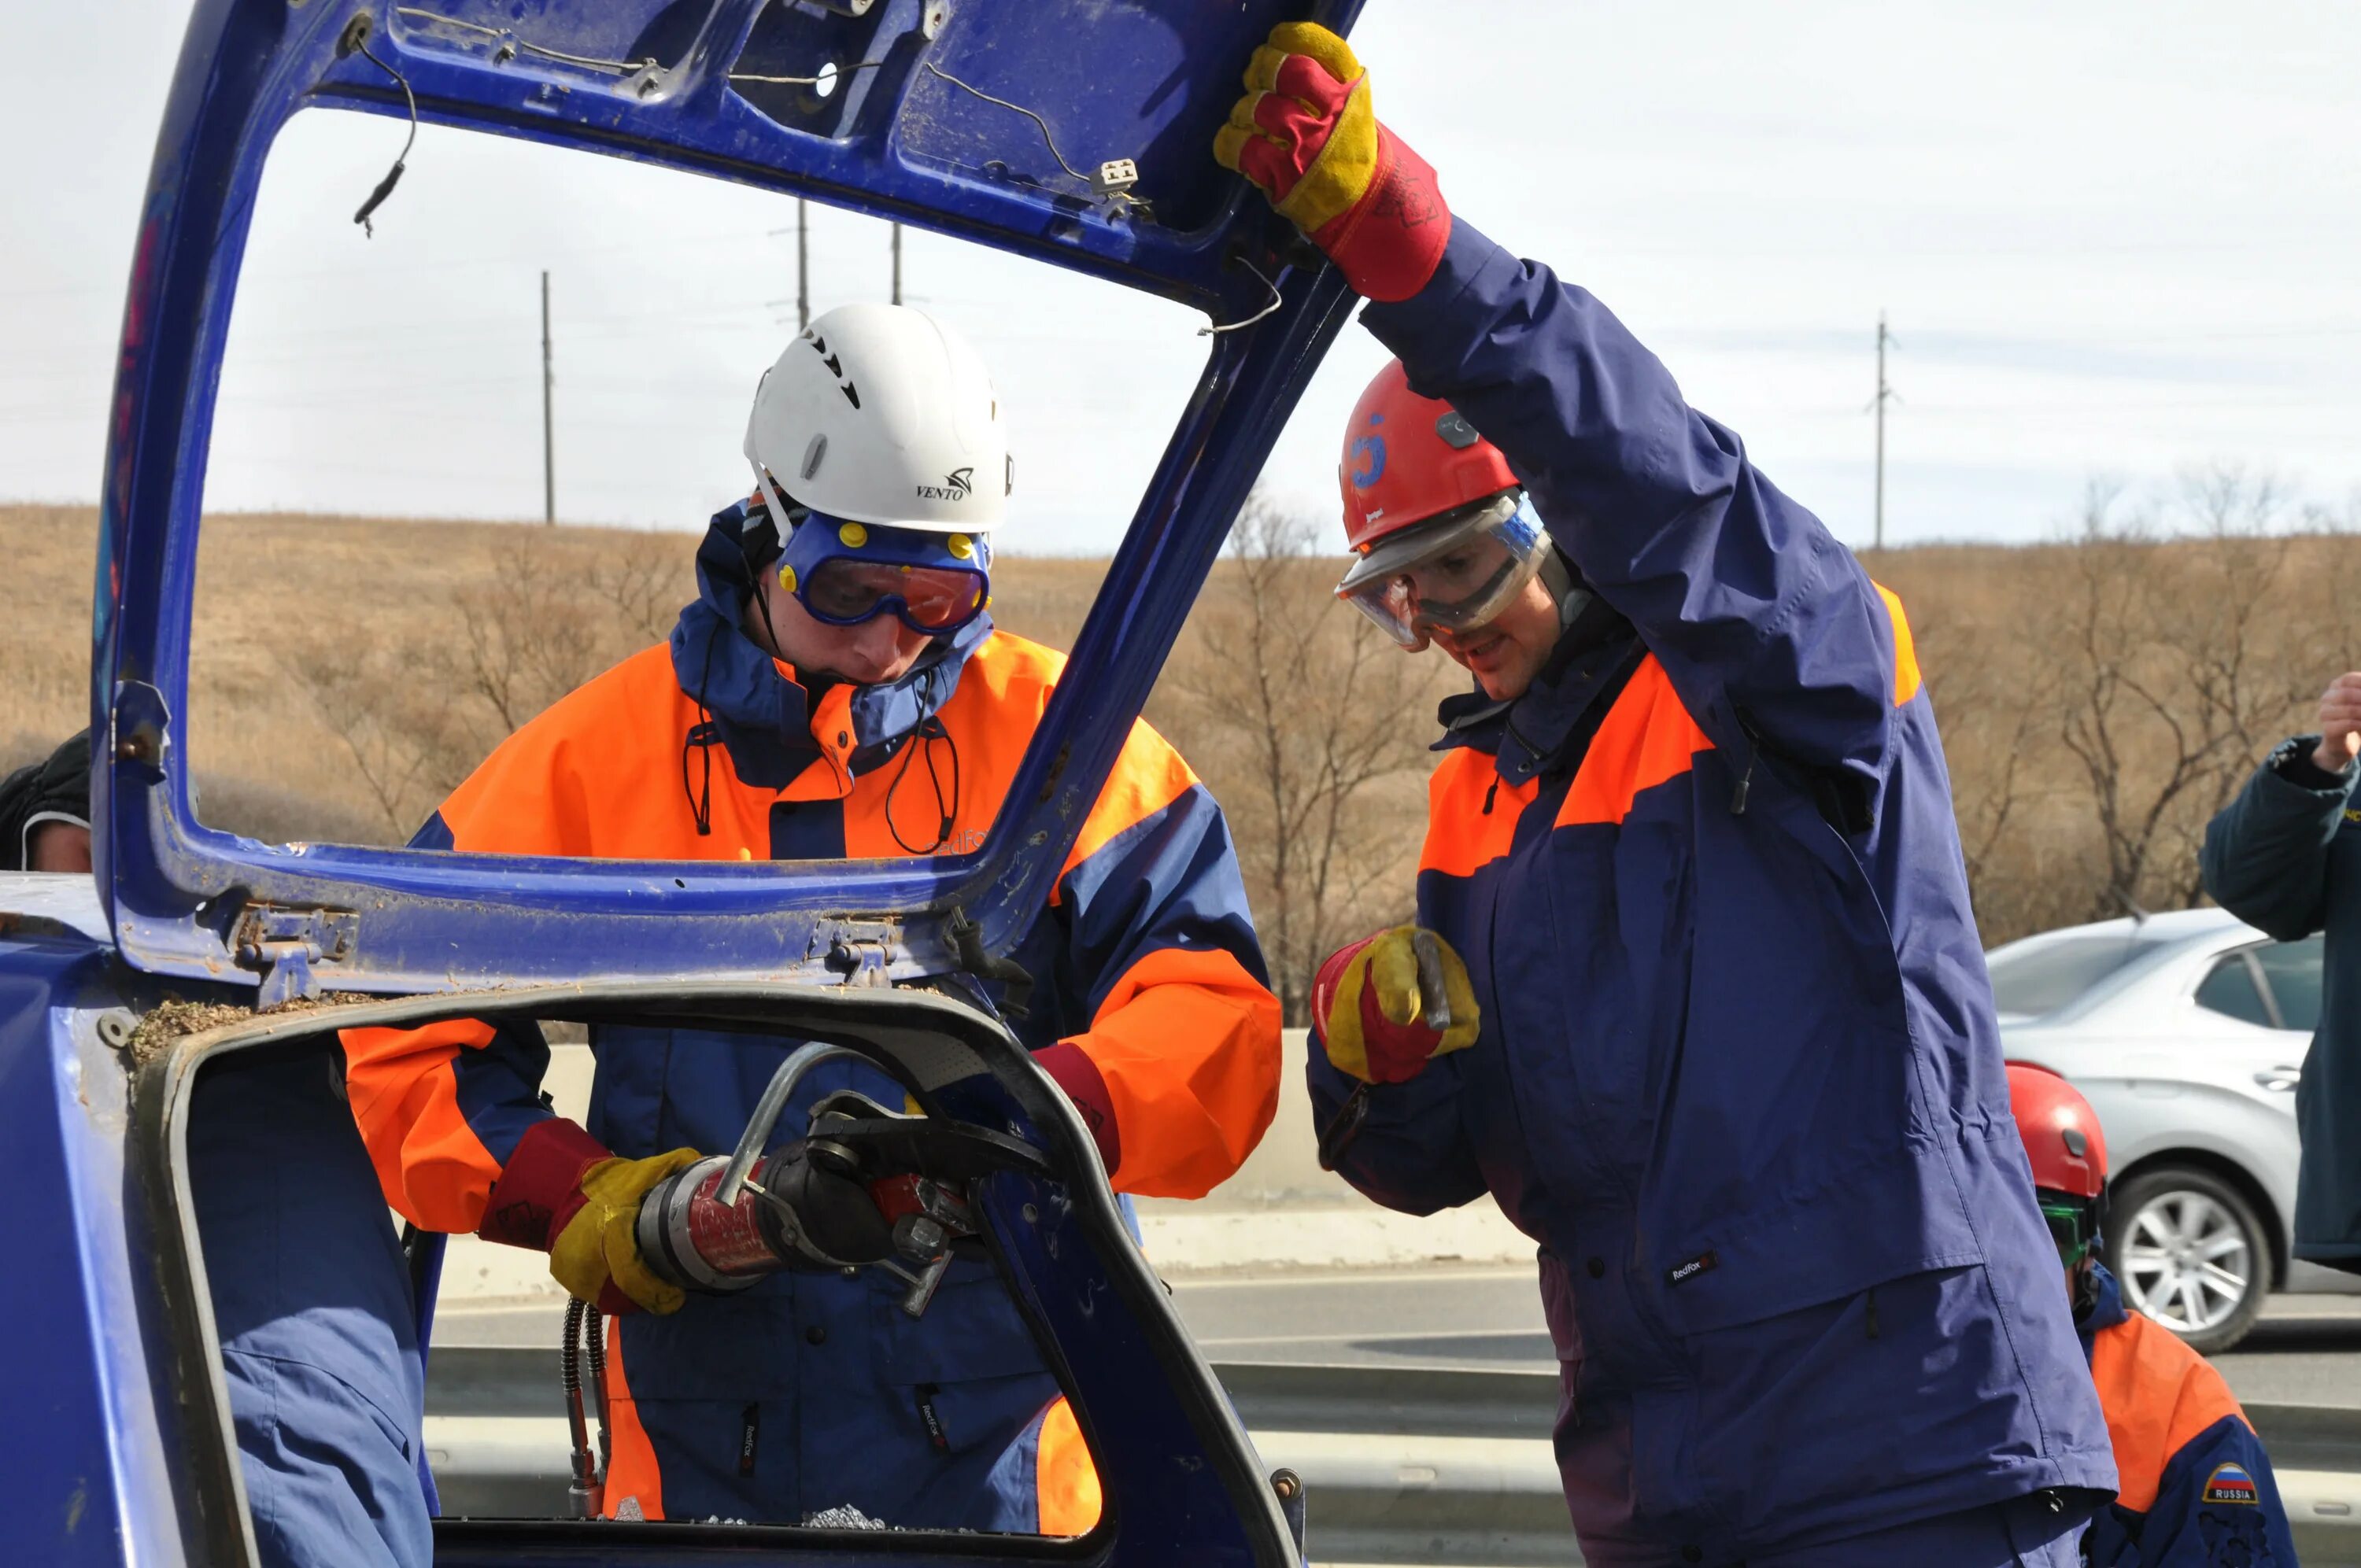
<point x="2196" y="1488"/>
<point x="1739" y="1074"/>
<point x="1149" y="1000"/>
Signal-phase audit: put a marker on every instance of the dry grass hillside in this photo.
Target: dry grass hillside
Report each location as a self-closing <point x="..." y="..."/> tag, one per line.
<point x="2098" y="699"/>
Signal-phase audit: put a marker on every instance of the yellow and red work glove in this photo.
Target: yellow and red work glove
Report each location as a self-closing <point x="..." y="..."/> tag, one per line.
<point x="1378" y="1017"/>
<point x="564" y="1192"/>
<point x="596" y="1255"/>
<point x="1306" y="134"/>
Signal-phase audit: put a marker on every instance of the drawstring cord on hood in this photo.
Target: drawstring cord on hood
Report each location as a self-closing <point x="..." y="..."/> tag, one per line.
<point x="930" y="731"/>
<point x="700" y="739"/>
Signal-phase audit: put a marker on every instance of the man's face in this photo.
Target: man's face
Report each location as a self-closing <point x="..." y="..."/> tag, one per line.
<point x="58" y="847"/>
<point x="879" y="650"/>
<point x="1506" y="652"/>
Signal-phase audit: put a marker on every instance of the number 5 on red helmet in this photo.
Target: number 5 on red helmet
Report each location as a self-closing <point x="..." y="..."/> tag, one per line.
<point x="1306" y="134"/>
<point x="1390" y="1004"/>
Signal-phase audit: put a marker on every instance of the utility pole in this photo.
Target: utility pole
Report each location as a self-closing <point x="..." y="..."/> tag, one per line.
<point x="1884" y="395"/>
<point x="803" y="266"/>
<point x="897" y="264"/>
<point x="548" y="440"/>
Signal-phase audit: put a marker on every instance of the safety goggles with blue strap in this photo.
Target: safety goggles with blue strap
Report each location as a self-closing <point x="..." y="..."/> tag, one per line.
<point x="845" y="574"/>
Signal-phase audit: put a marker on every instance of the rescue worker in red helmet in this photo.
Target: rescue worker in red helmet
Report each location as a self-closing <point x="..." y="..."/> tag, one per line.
<point x="2194" y="1486"/>
<point x="839" y="689"/>
<point x="1694" y="990"/>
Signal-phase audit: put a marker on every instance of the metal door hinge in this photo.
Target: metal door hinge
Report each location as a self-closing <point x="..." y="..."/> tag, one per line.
<point x="284" y="943"/>
<point x="859" y="963"/>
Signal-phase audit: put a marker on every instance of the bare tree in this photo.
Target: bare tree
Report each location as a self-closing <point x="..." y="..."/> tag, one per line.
<point x="400" y="739"/>
<point x="1311" y="728"/>
<point x="645" y="581"/>
<point x="2171" y="673"/>
<point x="1992" y="710"/>
<point x="416" y="720"/>
<point x="530" y="635"/>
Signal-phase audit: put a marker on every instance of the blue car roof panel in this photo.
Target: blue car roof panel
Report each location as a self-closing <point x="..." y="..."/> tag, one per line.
<point x="985" y="121"/>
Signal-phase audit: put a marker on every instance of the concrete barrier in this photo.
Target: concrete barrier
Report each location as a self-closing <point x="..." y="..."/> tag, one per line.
<point x="1433" y="1466"/>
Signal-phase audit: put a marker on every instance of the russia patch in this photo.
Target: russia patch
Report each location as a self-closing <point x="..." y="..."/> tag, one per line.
<point x="2231" y="1484"/>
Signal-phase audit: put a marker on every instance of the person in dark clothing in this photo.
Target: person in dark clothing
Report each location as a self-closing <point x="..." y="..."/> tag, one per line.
<point x="45" y="812"/>
<point x="2286" y="856"/>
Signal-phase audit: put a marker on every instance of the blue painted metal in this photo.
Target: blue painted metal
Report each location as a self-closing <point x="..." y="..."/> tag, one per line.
<point x="1183" y="1488"/>
<point x="1149" y="80"/>
<point x="87" y="1451"/>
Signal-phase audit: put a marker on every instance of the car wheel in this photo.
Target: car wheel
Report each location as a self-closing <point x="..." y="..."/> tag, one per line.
<point x="2190" y="1254"/>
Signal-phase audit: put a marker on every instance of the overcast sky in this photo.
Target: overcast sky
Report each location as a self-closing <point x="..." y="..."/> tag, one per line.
<point x="2111" y="238"/>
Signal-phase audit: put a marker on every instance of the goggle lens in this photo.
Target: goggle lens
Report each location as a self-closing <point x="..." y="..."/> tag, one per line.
<point x="844" y="591"/>
<point x="2069" y="1228"/>
<point x="1467" y="580"/>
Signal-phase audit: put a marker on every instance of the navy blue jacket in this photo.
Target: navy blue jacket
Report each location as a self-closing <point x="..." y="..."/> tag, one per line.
<point x="1739" y="1074"/>
<point x="2286" y="855"/>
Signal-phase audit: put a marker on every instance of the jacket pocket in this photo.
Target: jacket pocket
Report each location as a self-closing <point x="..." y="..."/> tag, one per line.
<point x="1898" y="1390"/>
<point x="1858" y="1227"/>
<point x="972" y="1330"/>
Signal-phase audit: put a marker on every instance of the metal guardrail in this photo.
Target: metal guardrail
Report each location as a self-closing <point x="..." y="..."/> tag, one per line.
<point x="1445" y="1467"/>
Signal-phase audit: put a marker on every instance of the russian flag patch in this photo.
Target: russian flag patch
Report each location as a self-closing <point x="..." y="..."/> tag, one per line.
<point x="2231" y="1484"/>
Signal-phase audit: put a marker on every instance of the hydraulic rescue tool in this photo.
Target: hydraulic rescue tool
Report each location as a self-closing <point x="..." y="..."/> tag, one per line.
<point x="863" y="1187"/>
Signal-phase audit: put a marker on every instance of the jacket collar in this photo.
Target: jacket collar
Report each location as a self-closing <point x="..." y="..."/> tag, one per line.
<point x="1542" y="730"/>
<point x="761" y="713"/>
<point x="2098" y="1308"/>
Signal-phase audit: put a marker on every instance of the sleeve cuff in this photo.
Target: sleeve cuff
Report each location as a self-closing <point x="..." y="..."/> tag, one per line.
<point x="2292" y="761"/>
<point x="1405" y="325"/>
<point x="1071" y="1068"/>
<point x="540" y="1189"/>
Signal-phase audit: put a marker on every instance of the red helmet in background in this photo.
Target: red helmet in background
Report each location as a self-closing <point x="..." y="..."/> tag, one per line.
<point x="1408" y="458"/>
<point x="2060" y="1131"/>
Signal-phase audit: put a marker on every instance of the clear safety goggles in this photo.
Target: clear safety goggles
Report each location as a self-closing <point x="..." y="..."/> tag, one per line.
<point x="846" y="574"/>
<point x="1453" y="573"/>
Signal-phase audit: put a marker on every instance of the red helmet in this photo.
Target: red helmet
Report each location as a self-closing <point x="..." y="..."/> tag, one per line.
<point x="2060" y="1131"/>
<point x="1408" y="458"/>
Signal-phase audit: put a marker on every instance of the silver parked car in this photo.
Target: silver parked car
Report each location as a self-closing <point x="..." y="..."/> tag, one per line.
<point x="2187" y="1033"/>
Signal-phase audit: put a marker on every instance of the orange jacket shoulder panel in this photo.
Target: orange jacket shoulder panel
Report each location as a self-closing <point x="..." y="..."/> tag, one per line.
<point x="1906" y="679"/>
<point x="1471" y="813"/>
<point x="1647" y="737"/>
<point x="2157" y="1394"/>
<point x="1018" y="675"/>
<point x="599" y="774"/>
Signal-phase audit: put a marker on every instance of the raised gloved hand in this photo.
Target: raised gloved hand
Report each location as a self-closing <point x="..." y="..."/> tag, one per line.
<point x="595" y="1249"/>
<point x="1306" y="134"/>
<point x="1390" y="1004"/>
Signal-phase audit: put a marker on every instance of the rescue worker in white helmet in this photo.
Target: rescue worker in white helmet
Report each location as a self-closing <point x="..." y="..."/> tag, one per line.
<point x="1694" y="989"/>
<point x="839" y="689"/>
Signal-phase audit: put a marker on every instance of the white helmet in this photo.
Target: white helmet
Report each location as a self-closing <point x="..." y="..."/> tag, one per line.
<point x="879" y="414"/>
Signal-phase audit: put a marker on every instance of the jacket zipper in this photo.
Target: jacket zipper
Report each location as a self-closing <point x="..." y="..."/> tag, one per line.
<point x="1746" y="776"/>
